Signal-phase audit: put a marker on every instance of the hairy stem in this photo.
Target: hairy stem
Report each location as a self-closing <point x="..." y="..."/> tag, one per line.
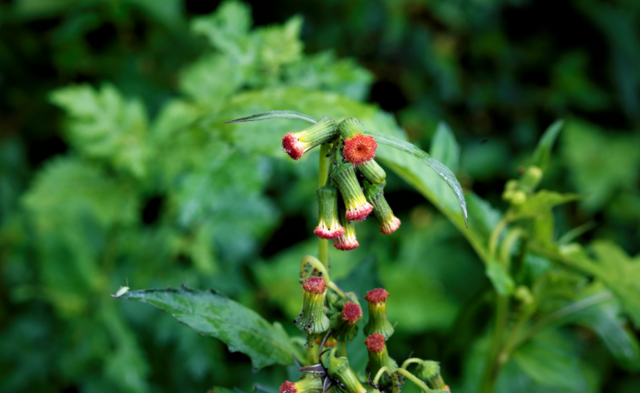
<point x="409" y="361"/>
<point x="423" y="386"/>
<point x="323" y="173"/>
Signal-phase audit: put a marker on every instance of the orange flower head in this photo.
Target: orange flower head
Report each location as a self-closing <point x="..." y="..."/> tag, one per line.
<point x="360" y="149"/>
<point x="351" y="313"/>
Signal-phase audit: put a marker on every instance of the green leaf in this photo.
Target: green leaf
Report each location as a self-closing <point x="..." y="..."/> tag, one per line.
<point x="103" y="125"/>
<point x="543" y="151"/>
<point x="617" y="271"/>
<point x="275" y="115"/>
<point x="439" y="168"/>
<point x="211" y="79"/>
<point x="550" y="361"/>
<point x="212" y="314"/>
<point x="500" y="278"/>
<point x="540" y="203"/>
<point x="444" y="147"/>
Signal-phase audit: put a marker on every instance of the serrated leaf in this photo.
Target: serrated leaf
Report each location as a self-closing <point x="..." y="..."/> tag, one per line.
<point x="103" y="125"/>
<point x="212" y="314"/>
<point x="439" y="168"/>
<point x="292" y="115"/>
<point x="543" y="151"/>
<point x="500" y="278"/>
<point x="444" y="147"/>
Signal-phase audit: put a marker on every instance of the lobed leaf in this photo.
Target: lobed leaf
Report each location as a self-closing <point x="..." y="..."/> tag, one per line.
<point x="212" y="314"/>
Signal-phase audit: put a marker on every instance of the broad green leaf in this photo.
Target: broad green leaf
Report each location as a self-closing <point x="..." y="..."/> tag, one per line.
<point x="104" y="125"/>
<point x="617" y="271"/>
<point x="500" y="277"/>
<point x="439" y="168"/>
<point x="275" y="115"/>
<point x="550" y="361"/>
<point x="211" y="79"/>
<point x="543" y="151"/>
<point x="212" y="314"/>
<point x="280" y="44"/>
<point x="444" y="147"/>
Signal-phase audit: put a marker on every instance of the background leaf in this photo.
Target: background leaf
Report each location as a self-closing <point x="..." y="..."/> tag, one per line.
<point x="213" y="314"/>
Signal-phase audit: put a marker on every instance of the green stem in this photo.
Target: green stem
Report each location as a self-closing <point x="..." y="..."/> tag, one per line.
<point x="323" y="173"/>
<point x="512" y="340"/>
<point x="316" y="264"/>
<point x="409" y="361"/>
<point x="490" y="369"/>
<point x="495" y="235"/>
<point x="383" y="369"/>
<point x="423" y="386"/>
<point x="343" y="349"/>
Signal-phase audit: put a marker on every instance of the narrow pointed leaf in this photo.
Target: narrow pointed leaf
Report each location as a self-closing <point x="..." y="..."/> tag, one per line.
<point x="211" y="313"/>
<point x="275" y="115"/>
<point x="543" y="151"/>
<point x="439" y="168"/>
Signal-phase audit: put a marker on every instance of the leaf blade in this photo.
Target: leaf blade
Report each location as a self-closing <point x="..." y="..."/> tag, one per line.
<point x="274" y="115"/>
<point x="543" y="151"/>
<point x="212" y="314"/>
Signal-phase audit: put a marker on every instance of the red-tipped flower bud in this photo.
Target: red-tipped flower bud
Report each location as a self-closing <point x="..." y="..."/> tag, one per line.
<point x="378" y="355"/>
<point x="345" y="323"/>
<point x="329" y="223"/>
<point x="354" y="200"/>
<point x="298" y="143"/>
<point x="378" y="322"/>
<point x="348" y="240"/>
<point x="360" y="149"/>
<point x="312" y="319"/>
<point x="381" y="210"/>
<point x="308" y="384"/>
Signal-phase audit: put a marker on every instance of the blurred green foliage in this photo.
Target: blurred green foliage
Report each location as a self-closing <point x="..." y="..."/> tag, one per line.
<point x="116" y="169"/>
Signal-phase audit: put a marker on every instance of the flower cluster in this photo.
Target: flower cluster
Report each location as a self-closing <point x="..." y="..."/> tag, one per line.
<point x="355" y="186"/>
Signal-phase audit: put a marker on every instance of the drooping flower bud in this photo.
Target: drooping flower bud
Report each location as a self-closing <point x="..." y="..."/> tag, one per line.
<point x="340" y="370"/>
<point x="328" y="224"/>
<point x="354" y="200"/>
<point x="378" y="322"/>
<point x="308" y="384"/>
<point x="297" y="143"/>
<point x="429" y="371"/>
<point x="372" y="171"/>
<point x="348" y="239"/>
<point x="378" y="355"/>
<point x="381" y="209"/>
<point x="345" y="323"/>
<point x="312" y="319"/>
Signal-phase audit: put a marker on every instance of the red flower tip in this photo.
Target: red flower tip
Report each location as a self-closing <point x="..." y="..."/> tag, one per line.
<point x="328" y="233"/>
<point x="359" y="213"/>
<point x="351" y="312"/>
<point x="292" y="146"/>
<point x="360" y="149"/>
<point x="375" y="342"/>
<point x="346" y="242"/>
<point x="377" y="295"/>
<point x="314" y="285"/>
<point x="288" y="387"/>
<point x="390" y="226"/>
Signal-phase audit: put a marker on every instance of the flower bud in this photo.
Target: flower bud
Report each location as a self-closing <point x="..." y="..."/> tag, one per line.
<point x="358" y="148"/>
<point x="381" y="210"/>
<point x="345" y="323"/>
<point x="308" y="384"/>
<point x="340" y="370"/>
<point x="329" y="224"/>
<point x="429" y="371"/>
<point x="378" y="355"/>
<point x="372" y="171"/>
<point x="312" y="318"/>
<point x="298" y="143"/>
<point x="348" y="239"/>
<point x="354" y="200"/>
<point x="313" y="346"/>
<point x="378" y="322"/>
<point x="530" y="179"/>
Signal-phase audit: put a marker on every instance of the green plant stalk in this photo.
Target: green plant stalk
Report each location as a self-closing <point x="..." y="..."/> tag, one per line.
<point x="343" y="350"/>
<point x="316" y="264"/>
<point x="490" y="369"/>
<point x="409" y="361"/>
<point x="323" y="173"/>
<point x="383" y="369"/>
<point x="423" y="386"/>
